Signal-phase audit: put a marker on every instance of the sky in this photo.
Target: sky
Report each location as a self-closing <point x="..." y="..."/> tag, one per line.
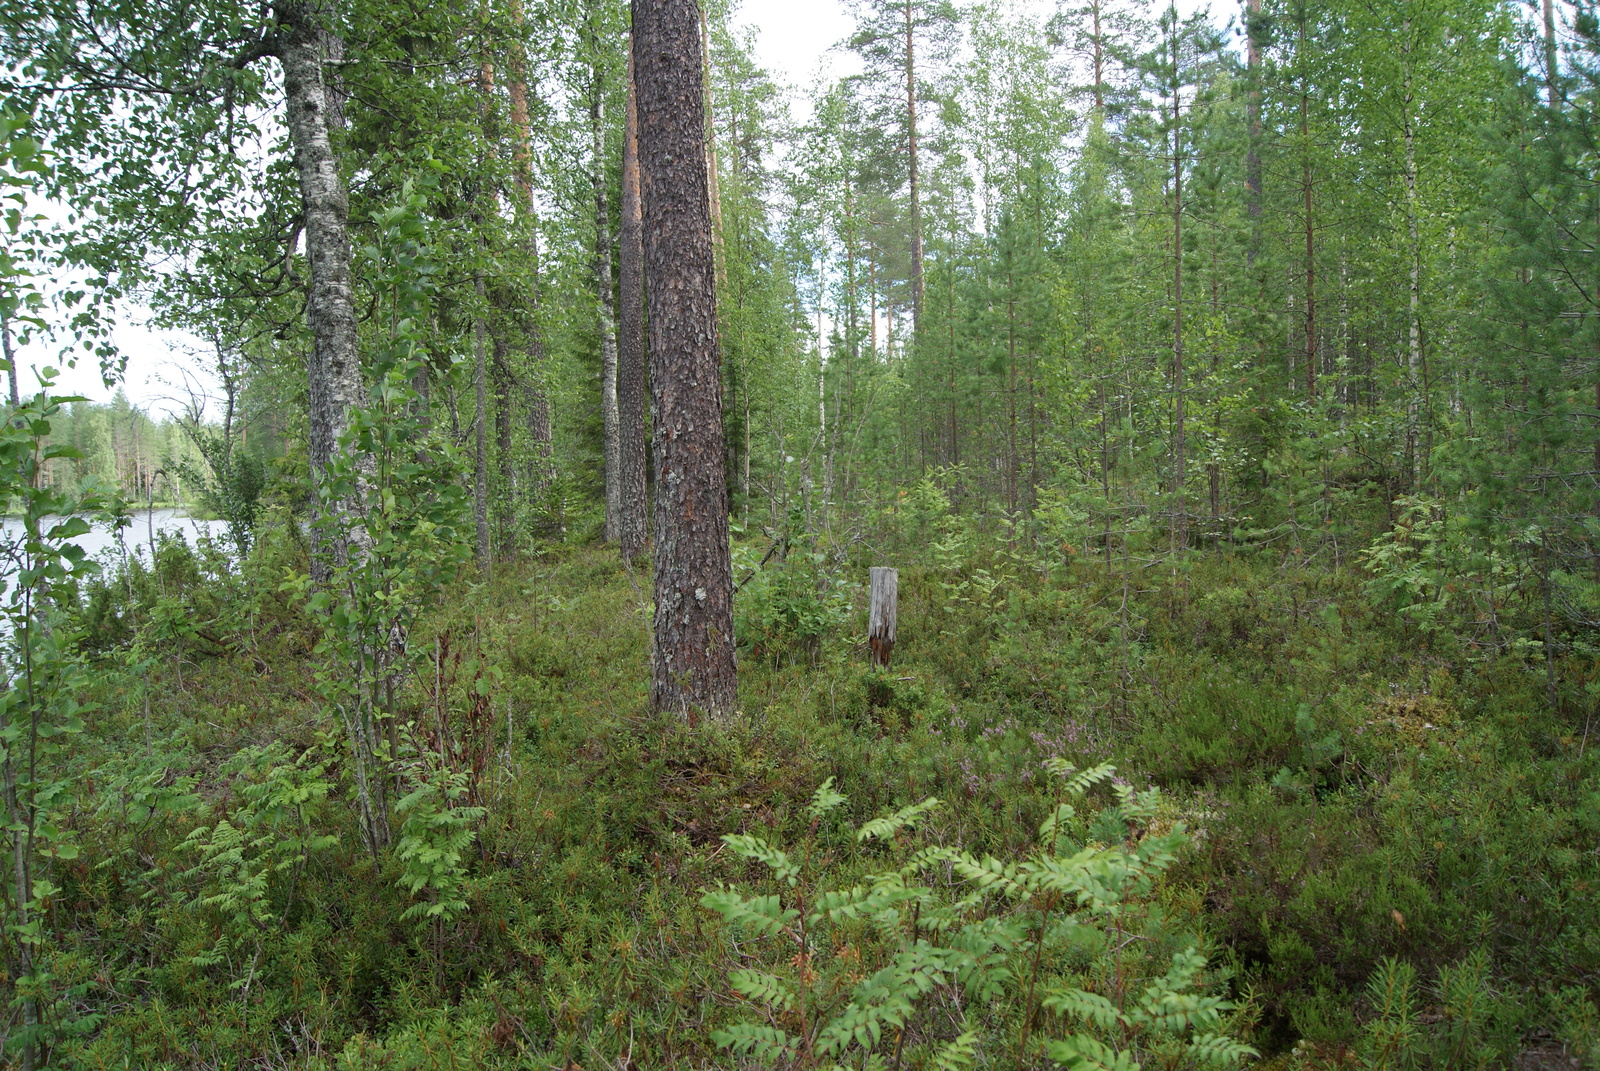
<point x="794" y="38"/>
<point x="794" y="42"/>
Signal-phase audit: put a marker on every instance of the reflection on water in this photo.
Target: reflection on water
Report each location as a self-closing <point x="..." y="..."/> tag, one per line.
<point x="138" y="537"/>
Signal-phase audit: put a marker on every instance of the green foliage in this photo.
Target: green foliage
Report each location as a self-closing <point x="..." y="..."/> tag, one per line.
<point x="1470" y="1030"/>
<point x="1426" y="568"/>
<point x="395" y="517"/>
<point x="1579" y="1024"/>
<point x="41" y="710"/>
<point x="262" y="849"/>
<point x="789" y="605"/>
<point x="23" y="165"/>
<point x="1237" y="431"/>
<point x="1330" y="828"/>
<point x="436" y="833"/>
<point x="230" y="485"/>
<point x="1179" y="1024"/>
<point x="830" y="1005"/>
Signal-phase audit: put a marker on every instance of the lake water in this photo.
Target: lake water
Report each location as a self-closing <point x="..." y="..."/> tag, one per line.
<point x="137" y="538"/>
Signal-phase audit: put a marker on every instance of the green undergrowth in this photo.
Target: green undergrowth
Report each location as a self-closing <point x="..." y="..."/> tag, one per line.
<point x="1383" y="849"/>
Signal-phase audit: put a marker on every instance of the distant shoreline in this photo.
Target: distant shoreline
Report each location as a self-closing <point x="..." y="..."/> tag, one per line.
<point x="182" y="512"/>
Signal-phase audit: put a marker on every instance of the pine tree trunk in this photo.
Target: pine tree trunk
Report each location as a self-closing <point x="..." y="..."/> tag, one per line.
<point x="694" y="664"/>
<point x="1305" y="187"/>
<point x="632" y="518"/>
<point x="916" y="189"/>
<point x="1099" y="59"/>
<point x="713" y="181"/>
<point x="1347" y="383"/>
<point x="1252" y="164"/>
<point x="872" y="298"/>
<point x="1552" y="70"/>
<point x="504" y="381"/>
<point x="334" y="369"/>
<point x="537" y="401"/>
<point x="1415" y="373"/>
<point x="480" y="436"/>
<point x="1180" y="534"/>
<point x="480" y="355"/>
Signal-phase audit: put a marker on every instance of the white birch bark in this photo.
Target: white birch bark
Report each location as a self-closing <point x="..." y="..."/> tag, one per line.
<point x="334" y="368"/>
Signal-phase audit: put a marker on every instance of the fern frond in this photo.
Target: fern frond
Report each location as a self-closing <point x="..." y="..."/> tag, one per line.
<point x="861" y="902"/>
<point x="1062" y="814"/>
<point x="1167" y="1004"/>
<point x="982" y="946"/>
<point x="1158" y="853"/>
<point x="763" y="988"/>
<point x="783" y="868"/>
<point x="767" y="1044"/>
<point x="863" y="1024"/>
<point x="958" y="1055"/>
<point x="1090" y="874"/>
<point x="1080" y="781"/>
<point x="886" y="998"/>
<point x="1176" y="1012"/>
<point x="1141" y="806"/>
<point x="1214" y="1050"/>
<point x="840" y="903"/>
<point x="1080" y="1053"/>
<point x="990" y="875"/>
<point x="823" y="800"/>
<point x="925" y="858"/>
<point x="759" y="914"/>
<point x="886" y="827"/>
<point x="1089" y="1007"/>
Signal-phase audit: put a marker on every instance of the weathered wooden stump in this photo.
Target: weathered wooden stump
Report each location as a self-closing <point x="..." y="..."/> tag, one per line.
<point x="881" y="614"/>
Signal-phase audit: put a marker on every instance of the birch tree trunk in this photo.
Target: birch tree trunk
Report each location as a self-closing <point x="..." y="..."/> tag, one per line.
<point x="334" y="369"/>
<point x="12" y="371"/>
<point x="603" y="295"/>
<point x="694" y="663"/>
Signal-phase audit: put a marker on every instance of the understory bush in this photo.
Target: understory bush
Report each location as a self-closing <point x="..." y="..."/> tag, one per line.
<point x="785" y="607"/>
<point x="1387" y="856"/>
<point x="1057" y="954"/>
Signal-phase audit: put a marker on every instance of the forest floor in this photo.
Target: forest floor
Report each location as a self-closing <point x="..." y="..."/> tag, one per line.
<point x="1353" y="790"/>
